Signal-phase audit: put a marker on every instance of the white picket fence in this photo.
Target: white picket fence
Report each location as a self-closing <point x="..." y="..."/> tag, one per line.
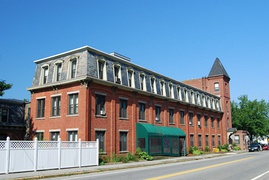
<point x="19" y="156"/>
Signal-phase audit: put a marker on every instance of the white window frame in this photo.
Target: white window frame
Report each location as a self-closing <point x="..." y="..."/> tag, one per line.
<point x="57" y="71"/>
<point x="70" y="68"/>
<point x="171" y="90"/>
<point x="153" y="84"/>
<point x="44" y="74"/>
<point x="103" y="61"/>
<point x="142" y="84"/>
<point x="162" y="87"/>
<point x="117" y="77"/>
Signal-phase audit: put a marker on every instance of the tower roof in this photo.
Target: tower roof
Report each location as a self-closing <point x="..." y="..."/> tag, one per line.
<point x="218" y="69"/>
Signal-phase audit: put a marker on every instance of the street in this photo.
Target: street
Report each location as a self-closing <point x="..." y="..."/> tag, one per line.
<point x="250" y="166"/>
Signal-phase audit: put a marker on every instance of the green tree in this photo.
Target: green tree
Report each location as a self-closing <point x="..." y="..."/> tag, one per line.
<point x="251" y="116"/>
<point x="4" y="86"/>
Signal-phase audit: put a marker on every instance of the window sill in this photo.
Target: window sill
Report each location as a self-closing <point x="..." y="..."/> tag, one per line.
<point x="71" y="115"/>
<point x="142" y="120"/>
<point x="54" y="117"/>
<point x="123" y="118"/>
<point x="102" y="153"/>
<point x="123" y="152"/>
<point x="100" y="116"/>
<point x="40" y="118"/>
<point x="172" y="123"/>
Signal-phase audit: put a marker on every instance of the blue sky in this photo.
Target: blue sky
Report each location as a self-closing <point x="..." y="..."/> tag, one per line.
<point x="176" y="38"/>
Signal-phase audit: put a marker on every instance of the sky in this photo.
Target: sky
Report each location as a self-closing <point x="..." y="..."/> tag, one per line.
<point x="177" y="38"/>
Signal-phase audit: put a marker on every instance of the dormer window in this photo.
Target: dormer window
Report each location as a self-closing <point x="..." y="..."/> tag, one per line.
<point x="179" y="94"/>
<point x="192" y="97"/>
<point x="171" y="90"/>
<point x="44" y="74"/>
<point x="186" y="95"/>
<point x="58" y="71"/>
<point x="142" y="81"/>
<point x="72" y="68"/>
<point x="101" y="69"/>
<point x="162" y="88"/>
<point x="198" y="97"/>
<point x="117" y="74"/>
<point x="153" y="84"/>
<point x="130" y="75"/>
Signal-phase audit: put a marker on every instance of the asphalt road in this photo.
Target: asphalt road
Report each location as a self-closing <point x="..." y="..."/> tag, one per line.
<point x="246" y="166"/>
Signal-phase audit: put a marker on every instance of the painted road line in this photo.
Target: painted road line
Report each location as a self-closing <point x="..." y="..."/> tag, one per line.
<point x="257" y="177"/>
<point x="198" y="169"/>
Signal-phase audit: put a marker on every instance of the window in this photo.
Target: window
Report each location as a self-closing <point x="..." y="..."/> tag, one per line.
<point x="236" y="139"/>
<point x="101" y="69"/>
<point x="73" y="104"/>
<point x="58" y="72"/>
<point x="192" y="140"/>
<point x="192" y="98"/>
<point x="72" y="135"/>
<point x="123" y="108"/>
<point x="206" y="121"/>
<point x="213" y="140"/>
<point x="39" y="136"/>
<point x="171" y="116"/>
<point x="100" y="105"/>
<point x="219" y="140"/>
<point x="45" y="73"/>
<point x="216" y="85"/>
<point x="186" y="95"/>
<point x="142" y="79"/>
<point x="212" y="122"/>
<point x="218" y="123"/>
<point x="200" y="140"/>
<point x="199" y="120"/>
<point x="182" y="121"/>
<point x="179" y="93"/>
<point x="100" y="135"/>
<point x="117" y="73"/>
<point x="171" y="90"/>
<point x="54" y="136"/>
<point x="3" y="114"/>
<point x="158" y="113"/>
<point x="73" y="68"/>
<point x="198" y="97"/>
<point x="162" y="88"/>
<point x="183" y="95"/>
<point x="123" y="141"/>
<point x="130" y="75"/>
<point x="40" y="108"/>
<point x="153" y="84"/>
<point x="191" y="118"/>
<point x="56" y="106"/>
<point x="206" y="140"/>
<point x="142" y="109"/>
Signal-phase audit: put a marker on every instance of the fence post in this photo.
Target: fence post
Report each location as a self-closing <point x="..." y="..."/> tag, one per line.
<point x="7" y="154"/>
<point x="59" y="153"/>
<point x="97" y="149"/>
<point x="79" y="152"/>
<point x="35" y="154"/>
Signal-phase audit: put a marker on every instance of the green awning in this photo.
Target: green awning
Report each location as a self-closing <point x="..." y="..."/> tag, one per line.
<point x="151" y="129"/>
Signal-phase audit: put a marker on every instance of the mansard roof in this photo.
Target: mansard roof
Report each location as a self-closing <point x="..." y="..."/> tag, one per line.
<point x="218" y="69"/>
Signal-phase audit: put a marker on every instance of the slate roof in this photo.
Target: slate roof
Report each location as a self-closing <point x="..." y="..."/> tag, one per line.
<point x="218" y="69"/>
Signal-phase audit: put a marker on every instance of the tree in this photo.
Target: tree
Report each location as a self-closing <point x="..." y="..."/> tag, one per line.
<point x="251" y="116"/>
<point x="4" y="86"/>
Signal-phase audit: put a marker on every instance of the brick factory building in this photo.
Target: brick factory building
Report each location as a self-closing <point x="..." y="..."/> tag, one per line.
<point x="88" y="94"/>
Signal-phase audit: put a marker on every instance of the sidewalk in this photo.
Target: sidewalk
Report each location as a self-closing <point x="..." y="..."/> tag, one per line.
<point x="110" y="167"/>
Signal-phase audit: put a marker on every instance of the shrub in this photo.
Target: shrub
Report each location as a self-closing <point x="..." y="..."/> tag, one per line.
<point x="197" y="152"/>
<point x="207" y="149"/>
<point x="215" y="150"/>
<point x="191" y="149"/>
<point x="143" y="155"/>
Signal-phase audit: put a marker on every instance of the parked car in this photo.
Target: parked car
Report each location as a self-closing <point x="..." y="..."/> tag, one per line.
<point x="265" y="147"/>
<point x="254" y="147"/>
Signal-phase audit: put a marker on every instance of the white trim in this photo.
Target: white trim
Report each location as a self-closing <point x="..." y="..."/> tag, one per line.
<point x="72" y="129"/>
<point x="54" y="130"/>
<point x="99" y="129"/>
<point x="39" y="131"/>
<point x="55" y="95"/>
<point x="73" y="92"/>
<point x="43" y="97"/>
<point x="122" y="130"/>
